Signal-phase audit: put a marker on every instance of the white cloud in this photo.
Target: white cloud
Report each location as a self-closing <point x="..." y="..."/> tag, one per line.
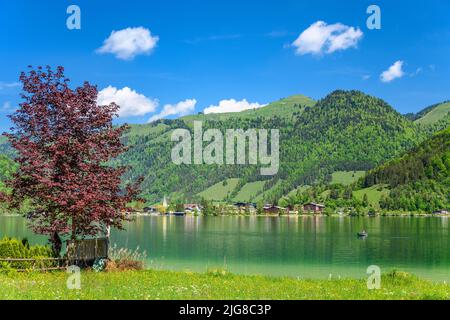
<point x="181" y="108"/>
<point x="232" y="105"/>
<point x="395" y="71"/>
<point x="322" y="38"/>
<point x="4" y="85"/>
<point x="6" y="107"/>
<point x="131" y="103"/>
<point x="127" y="43"/>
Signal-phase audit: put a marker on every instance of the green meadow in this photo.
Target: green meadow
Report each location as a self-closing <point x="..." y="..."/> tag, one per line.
<point x="436" y="114"/>
<point x="374" y="194"/>
<point x="152" y="285"/>
<point x="249" y="191"/>
<point x="220" y="190"/>
<point x="346" y="177"/>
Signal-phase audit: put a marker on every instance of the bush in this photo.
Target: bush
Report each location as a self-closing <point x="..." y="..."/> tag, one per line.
<point x="124" y="265"/>
<point x="401" y="278"/>
<point x="121" y="259"/>
<point x="20" y="249"/>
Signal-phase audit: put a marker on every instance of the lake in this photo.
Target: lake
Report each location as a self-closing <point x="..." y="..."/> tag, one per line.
<point x="305" y="247"/>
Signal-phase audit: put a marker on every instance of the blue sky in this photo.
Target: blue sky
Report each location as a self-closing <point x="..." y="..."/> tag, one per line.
<point x="214" y="54"/>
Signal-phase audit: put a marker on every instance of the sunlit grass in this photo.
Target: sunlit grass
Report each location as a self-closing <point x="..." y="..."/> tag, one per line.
<point x="152" y="284"/>
<point x="346" y="177"/>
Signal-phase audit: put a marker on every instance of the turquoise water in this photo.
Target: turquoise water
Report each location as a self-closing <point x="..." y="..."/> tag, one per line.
<point x="305" y="247"/>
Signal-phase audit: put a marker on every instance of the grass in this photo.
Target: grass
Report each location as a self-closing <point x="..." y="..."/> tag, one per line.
<point x="374" y="194"/>
<point x="435" y="114"/>
<point x="169" y="285"/>
<point x="249" y="191"/>
<point x="346" y="177"/>
<point x="219" y="192"/>
<point x="283" y="108"/>
<point x="145" y="129"/>
<point x="300" y="189"/>
<point x="262" y="196"/>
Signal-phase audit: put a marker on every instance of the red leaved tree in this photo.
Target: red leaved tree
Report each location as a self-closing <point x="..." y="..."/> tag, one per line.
<point x="63" y="141"/>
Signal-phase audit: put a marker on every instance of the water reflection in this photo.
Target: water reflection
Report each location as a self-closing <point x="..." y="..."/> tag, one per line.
<point x="290" y="246"/>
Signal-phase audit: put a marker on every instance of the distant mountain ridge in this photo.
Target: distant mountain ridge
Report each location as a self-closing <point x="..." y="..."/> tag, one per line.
<point x="284" y="107"/>
<point x="431" y="114"/>
<point x="344" y="131"/>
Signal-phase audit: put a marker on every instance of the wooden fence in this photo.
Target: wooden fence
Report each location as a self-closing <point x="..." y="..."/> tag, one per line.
<point x="82" y="253"/>
<point x="36" y="264"/>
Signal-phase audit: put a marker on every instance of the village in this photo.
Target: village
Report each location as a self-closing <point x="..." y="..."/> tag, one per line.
<point x="250" y="208"/>
<point x="237" y="208"/>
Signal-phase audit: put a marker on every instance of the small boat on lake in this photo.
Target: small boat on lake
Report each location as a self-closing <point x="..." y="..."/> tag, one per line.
<point x="362" y="234"/>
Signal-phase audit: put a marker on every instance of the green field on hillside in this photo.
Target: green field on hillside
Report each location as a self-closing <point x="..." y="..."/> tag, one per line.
<point x="263" y="196"/>
<point x="374" y="194"/>
<point x="219" y="191"/>
<point x="283" y="108"/>
<point x="249" y="191"/>
<point x="435" y="114"/>
<point x="346" y="177"/>
<point x="146" y="129"/>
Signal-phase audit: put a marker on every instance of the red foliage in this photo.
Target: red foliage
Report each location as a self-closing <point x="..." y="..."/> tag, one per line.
<point x="63" y="140"/>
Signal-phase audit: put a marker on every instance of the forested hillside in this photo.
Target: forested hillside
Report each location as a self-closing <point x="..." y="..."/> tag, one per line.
<point x="7" y="168"/>
<point x="432" y="118"/>
<point x="420" y="179"/>
<point x="347" y="130"/>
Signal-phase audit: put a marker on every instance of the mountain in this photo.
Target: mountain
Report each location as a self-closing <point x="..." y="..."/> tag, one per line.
<point x="432" y="114"/>
<point x="333" y="139"/>
<point x="7" y="168"/>
<point x="419" y="179"/>
<point x="283" y="108"/>
<point x="150" y="151"/>
<point x="345" y="131"/>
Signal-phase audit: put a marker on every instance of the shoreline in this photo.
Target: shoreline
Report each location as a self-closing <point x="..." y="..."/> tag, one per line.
<point x="400" y="214"/>
<point x="406" y="214"/>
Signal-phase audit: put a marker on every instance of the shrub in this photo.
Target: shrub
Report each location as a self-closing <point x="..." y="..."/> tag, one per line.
<point x="20" y="249"/>
<point x="401" y="278"/>
<point x="121" y="259"/>
<point x="123" y="265"/>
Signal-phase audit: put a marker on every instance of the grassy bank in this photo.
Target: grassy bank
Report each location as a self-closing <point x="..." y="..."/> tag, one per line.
<point x="152" y="284"/>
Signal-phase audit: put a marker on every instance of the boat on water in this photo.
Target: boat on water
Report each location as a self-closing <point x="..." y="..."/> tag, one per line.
<point x="362" y="234"/>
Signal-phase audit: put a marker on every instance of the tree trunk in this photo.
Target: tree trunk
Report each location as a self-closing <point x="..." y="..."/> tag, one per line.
<point x="74" y="230"/>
